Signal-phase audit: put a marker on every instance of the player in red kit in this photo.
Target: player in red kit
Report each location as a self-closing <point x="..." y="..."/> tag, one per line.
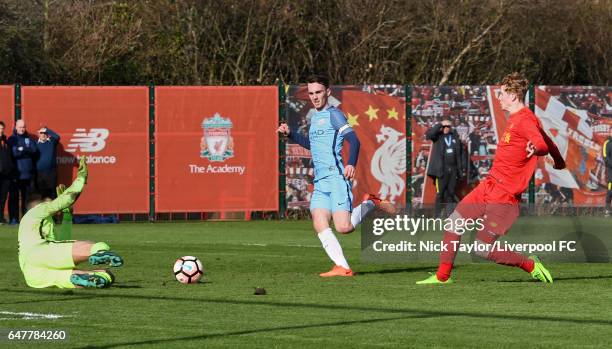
<point x="496" y="199"/>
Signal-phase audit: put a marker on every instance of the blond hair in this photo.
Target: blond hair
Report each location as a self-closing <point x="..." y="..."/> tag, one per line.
<point x="517" y="84"/>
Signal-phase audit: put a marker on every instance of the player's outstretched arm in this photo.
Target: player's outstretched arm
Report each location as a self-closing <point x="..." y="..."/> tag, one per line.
<point x="68" y="197"/>
<point x="553" y="151"/>
<point x="294" y="135"/>
<point x="531" y="130"/>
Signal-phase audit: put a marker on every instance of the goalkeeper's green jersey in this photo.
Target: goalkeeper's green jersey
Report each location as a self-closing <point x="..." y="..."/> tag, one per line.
<point x="37" y="224"/>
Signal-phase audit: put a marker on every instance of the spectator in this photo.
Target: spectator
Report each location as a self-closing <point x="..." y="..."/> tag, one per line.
<point x="23" y="150"/>
<point x="416" y="99"/>
<point x="437" y="95"/>
<point x="476" y="143"/>
<point x="447" y="163"/>
<point x="46" y="164"/>
<point x="6" y="172"/>
<point x="462" y="130"/>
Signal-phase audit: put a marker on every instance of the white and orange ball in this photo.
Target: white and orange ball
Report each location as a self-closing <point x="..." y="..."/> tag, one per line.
<point x="188" y="270"/>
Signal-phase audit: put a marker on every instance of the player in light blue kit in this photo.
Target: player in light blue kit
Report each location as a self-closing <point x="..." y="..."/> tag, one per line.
<point x="332" y="196"/>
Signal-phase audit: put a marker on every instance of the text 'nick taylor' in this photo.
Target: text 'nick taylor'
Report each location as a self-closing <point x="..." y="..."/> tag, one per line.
<point x="217" y="169"/>
<point x="429" y="246"/>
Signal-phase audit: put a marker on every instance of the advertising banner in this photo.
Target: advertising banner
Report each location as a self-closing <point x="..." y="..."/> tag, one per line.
<point x="107" y="125"/>
<point x="475" y="115"/>
<point x="7" y="107"/>
<point x="216" y="149"/>
<point x="579" y="120"/>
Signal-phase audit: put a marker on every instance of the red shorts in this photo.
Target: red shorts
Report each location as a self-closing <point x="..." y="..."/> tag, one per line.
<point x="488" y="200"/>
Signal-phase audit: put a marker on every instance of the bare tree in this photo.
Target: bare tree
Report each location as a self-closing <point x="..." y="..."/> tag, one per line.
<point x="239" y="42"/>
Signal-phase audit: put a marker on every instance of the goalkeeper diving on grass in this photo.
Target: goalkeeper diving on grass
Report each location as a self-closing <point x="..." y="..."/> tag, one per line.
<point x="48" y="257"/>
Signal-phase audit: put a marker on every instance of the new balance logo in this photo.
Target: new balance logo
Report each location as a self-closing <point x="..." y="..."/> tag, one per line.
<point x="88" y="142"/>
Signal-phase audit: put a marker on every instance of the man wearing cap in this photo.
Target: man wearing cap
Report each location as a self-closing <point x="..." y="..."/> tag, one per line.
<point x="446" y="164"/>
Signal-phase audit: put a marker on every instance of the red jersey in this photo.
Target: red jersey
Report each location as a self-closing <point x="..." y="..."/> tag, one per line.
<point x="511" y="167"/>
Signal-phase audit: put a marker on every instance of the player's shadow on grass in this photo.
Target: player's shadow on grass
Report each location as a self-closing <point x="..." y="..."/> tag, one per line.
<point x="396" y="270"/>
<point x="53" y="300"/>
<point x="126" y="286"/>
<point x="409" y="312"/>
<point x="564" y="278"/>
<point x="585" y="278"/>
<point x="262" y="330"/>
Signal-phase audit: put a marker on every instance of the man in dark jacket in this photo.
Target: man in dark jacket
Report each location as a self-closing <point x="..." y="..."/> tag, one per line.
<point x="607" y="154"/>
<point x="46" y="168"/>
<point x="23" y="150"/>
<point x="447" y="163"/>
<point x="6" y="172"/>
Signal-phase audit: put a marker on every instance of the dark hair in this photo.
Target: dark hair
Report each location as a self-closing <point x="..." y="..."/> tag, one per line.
<point x="34" y="199"/>
<point x="319" y="79"/>
<point x="35" y="196"/>
<point x="2" y="124"/>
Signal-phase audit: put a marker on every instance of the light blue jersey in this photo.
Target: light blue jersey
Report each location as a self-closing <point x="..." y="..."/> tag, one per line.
<point x="328" y="128"/>
<point x="332" y="191"/>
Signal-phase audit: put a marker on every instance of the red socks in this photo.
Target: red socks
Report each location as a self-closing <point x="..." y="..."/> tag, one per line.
<point x="512" y="259"/>
<point x="504" y="257"/>
<point x="450" y="244"/>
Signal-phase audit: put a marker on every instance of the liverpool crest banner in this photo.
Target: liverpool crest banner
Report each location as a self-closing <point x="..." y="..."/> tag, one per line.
<point x="216" y="149"/>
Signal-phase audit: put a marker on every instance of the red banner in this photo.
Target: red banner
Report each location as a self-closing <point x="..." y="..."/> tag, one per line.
<point x="7" y="107"/>
<point x="216" y="149"/>
<point x="472" y="113"/>
<point x="380" y="123"/>
<point x="578" y="119"/>
<point x="109" y="126"/>
<point x="377" y="114"/>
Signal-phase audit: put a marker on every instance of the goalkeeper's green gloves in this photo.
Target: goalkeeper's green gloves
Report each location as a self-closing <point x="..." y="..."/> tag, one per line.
<point x="60" y="189"/>
<point x="82" y="172"/>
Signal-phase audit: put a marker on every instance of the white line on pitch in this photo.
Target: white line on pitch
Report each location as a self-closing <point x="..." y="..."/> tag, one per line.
<point x="288" y="245"/>
<point x="32" y="316"/>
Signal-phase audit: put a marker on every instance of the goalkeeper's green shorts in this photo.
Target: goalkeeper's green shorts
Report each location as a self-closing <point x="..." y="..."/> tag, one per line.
<point x="48" y="264"/>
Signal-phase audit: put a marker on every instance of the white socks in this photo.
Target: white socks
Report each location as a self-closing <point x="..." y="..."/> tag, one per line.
<point x="332" y="248"/>
<point x="330" y="242"/>
<point x="361" y="211"/>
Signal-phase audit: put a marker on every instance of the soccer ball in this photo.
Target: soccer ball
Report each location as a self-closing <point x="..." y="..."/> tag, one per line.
<point x="188" y="270"/>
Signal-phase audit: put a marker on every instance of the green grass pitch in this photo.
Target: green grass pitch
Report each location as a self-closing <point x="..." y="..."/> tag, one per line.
<point x="488" y="306"/>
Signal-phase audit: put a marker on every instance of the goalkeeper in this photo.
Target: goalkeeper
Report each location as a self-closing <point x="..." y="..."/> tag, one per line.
<point x="47" y="257"/>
